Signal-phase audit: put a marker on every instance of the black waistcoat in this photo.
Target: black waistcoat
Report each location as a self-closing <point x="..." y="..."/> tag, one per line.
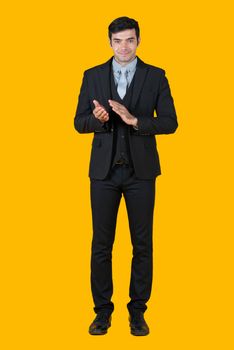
<point x="120" y="128"/>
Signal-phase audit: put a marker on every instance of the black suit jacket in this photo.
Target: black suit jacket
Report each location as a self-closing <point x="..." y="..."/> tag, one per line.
<point x="151" y="94"/>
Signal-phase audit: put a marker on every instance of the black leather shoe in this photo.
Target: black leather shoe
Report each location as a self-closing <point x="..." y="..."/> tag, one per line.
<point x="137" y="324"/>
<point x="100" y="324"/>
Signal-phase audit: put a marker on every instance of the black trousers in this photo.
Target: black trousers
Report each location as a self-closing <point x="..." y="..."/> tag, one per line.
<point x="139" y="196"/>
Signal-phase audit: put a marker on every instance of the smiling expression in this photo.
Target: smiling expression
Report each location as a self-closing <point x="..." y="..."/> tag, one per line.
<point x="124" y="45"/>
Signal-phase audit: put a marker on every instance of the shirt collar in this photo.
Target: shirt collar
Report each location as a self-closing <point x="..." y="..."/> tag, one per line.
<point x="130" y="66"/>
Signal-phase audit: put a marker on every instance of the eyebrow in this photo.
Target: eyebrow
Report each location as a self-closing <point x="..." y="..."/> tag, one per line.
<point x="122" y="39"/>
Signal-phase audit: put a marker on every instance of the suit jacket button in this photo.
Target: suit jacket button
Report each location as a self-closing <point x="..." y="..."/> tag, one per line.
<point x="112" y="129"/>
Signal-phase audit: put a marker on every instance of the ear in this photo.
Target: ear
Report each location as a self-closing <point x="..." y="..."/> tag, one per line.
<point x="139" y="40"/>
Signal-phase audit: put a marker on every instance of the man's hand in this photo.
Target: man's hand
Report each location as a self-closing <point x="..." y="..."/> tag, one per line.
<point x="122" y="111"/>
<point x="100" y="112"/>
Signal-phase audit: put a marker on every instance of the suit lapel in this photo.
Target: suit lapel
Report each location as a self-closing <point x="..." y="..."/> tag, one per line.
<point x="104" y="76"/>
<point x="140" y="76"/>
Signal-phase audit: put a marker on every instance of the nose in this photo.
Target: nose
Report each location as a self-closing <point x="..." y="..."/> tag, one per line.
<point x="124" y="45"/>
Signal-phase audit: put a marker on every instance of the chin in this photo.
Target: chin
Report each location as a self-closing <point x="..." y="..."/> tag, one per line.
<point x="124" y="59"/>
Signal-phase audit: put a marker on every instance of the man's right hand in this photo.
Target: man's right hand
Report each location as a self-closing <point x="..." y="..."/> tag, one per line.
<point x="100" y="112"/>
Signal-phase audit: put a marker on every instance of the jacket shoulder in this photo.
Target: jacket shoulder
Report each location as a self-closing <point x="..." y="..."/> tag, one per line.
<point x="95" y="68"/>
<point x="155" y="69"/>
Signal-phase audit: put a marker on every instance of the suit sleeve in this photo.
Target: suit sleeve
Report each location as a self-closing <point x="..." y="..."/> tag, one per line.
<point x="85" y="121"/>
<point x="166" y="120"/>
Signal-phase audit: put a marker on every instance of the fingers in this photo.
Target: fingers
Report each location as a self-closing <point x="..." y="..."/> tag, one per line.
<point x="116" y="106"/>
<point x="114" y="103"/>
<point x="96" y="103"/>
<point x="122" y="111"/>
<point x="100" y="112"/>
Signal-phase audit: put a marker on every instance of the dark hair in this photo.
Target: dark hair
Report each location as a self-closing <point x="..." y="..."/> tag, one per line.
<point x="123" y="23"/>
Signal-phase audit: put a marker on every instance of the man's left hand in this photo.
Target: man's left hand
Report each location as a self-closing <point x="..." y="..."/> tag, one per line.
<point x="122" y="111"/>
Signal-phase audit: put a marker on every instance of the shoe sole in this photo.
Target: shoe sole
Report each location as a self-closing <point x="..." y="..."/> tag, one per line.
<point x="99" y="332"/>
<point x="138" y="333"/>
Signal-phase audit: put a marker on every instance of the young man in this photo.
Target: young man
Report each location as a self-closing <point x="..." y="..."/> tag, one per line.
<point x="117" y="102"/>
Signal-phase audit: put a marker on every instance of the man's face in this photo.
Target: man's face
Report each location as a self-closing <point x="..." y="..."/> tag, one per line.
<point x="124" y="45"/>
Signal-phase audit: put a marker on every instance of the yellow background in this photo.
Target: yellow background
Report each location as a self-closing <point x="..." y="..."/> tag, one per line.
<point x="46" y="217"/>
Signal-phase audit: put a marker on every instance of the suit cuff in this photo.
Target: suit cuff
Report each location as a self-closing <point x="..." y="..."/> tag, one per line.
<point x="141" y="127"/>
<point x="99" y="126"/>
